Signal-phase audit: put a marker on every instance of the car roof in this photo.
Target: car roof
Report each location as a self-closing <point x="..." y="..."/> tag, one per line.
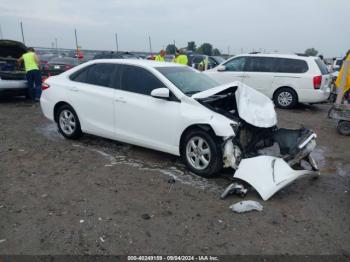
<point x="294" y="56"/>
<point x="139" y="62"/>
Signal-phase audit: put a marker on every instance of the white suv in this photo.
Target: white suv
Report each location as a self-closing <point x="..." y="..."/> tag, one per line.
<point x="287" y="79"/>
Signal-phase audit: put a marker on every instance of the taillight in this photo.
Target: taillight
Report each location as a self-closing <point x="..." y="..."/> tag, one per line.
<point x="317" y="82"/>
<point x="44" y="86"/>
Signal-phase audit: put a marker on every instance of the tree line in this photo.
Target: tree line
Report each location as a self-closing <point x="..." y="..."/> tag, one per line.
<point x="205" y="48"/>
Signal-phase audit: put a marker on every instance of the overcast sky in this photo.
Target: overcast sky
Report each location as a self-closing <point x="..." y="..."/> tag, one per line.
<point x="272" y="25"/>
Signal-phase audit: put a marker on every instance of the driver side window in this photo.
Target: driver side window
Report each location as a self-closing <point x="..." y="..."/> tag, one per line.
<point x="138" y="80"/>
<point x="236" y="64"/>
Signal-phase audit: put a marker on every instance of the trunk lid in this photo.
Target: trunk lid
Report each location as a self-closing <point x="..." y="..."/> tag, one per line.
<point x="13" y="49"/>
<point x="10" y="51"/>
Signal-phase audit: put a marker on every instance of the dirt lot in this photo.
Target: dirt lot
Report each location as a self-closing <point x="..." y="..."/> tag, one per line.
<point x="96" y="196"/>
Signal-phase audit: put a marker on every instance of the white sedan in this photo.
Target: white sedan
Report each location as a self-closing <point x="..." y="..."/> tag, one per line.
<point x="178" y="110"/>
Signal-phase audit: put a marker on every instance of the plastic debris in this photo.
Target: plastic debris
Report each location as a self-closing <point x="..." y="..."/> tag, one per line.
<point x="146" y="216"/>
<point x="234" y="188"/>
<point x="2" y="240"/>
<point x="102" y="239"/>
<point x="171" y="181"/>
<point x="81" y="221"/>
<point x="246" y="206"/>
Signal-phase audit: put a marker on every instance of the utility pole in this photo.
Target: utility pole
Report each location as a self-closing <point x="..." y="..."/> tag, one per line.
<point x="58" y="52"/>
<point x="241" y="50"/>
<point x="22" y="33"/>
<point x="150" y="45"/>
<point x="174" y="48"/>
<point x="228" y="51"/>
<point x="76" y="39"/>
<point x="116" y="42"/>
<point x="1" y="36"/>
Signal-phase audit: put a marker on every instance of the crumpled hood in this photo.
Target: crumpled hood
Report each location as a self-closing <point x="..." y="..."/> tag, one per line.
<point x="10" y="48"/>
<point x="253" y="107"/>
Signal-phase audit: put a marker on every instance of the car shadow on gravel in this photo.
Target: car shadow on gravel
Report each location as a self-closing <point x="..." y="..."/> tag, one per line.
<point x="118" y="153"/>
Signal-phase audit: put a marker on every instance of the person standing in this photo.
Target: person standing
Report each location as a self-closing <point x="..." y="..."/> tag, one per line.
<point x="33" y="74"/>
<point x="180" y="58"/>
<point x="160" y="57"/>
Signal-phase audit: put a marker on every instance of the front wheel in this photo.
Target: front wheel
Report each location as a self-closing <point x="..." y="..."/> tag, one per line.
<point x="285" y="98"/>
<point x="201" y="153"/>
<point x="344" y="127"/>
<point x="68" y="122"/>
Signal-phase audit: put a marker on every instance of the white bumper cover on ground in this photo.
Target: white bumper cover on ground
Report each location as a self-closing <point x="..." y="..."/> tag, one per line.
<point x="268" y="174"/>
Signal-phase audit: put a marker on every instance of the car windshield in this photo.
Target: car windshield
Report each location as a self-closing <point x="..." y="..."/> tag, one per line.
<point x="189" y="81"/>
<point x="339" y="62"/>
<point x="219" y="59"/>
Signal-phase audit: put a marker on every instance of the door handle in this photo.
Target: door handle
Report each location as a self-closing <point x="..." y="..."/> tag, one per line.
<point x="74" y="89"/>
<point x="120" y="100"/>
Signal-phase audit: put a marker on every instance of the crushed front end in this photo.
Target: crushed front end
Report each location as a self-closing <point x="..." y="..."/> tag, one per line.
<point x="269" y="159"/>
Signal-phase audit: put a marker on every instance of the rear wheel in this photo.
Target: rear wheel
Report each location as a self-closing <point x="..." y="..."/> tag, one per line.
<point x="344" y="127"/>
<point x="285" y="98"/>
<point x="68" y="122"/>
<point x="201" y="153"/>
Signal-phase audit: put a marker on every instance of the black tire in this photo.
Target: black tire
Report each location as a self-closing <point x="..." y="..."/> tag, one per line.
<point x="285" y="98"/>
<point x="63" y="123"/>
<point x="344" y="127"/>
<point x="215" y="162"/>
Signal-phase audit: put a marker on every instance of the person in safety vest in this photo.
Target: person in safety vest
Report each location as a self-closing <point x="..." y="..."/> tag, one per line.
<point x="347" y="77"/>
<point x="180" y="58"/>
<point x="203" y="65"/>
<point x="160" y="57"/>
<point x="33" y="74"/>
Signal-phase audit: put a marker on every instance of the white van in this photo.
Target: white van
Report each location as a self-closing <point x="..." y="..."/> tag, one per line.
<point x="287" y="79"/>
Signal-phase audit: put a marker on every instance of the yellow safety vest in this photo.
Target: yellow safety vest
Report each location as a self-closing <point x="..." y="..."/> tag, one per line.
<point x="159" y="58"/>
<point x="347" y="79"/>
<point x="181" y="59"/>
<point x="29" y="61"/>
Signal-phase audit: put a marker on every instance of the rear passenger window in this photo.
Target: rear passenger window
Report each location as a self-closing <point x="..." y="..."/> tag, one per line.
<point x="101" y="74"/>
<point x="236" y="64"/>
<point x="98" y="74"/>
<point x="80" y="76"/>
<point x="138" y="80"/>
<point x="288" y="65"/>
<point x="322" y="66"/>
<point x="260" y="64"/>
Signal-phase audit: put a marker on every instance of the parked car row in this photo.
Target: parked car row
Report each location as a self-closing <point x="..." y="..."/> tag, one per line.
<point x="286" y="79"/>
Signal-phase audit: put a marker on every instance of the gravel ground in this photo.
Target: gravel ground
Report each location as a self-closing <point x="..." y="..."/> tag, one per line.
<point x="97" y="196"/>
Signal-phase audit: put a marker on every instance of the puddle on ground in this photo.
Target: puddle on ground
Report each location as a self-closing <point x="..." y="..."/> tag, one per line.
<point x="329" y="164"/>
<point x="119" y="153"/>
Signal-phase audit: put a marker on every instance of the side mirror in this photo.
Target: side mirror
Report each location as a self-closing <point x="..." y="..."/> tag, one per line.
<point x="162" y="92"/>
<point x="221" y="68"/>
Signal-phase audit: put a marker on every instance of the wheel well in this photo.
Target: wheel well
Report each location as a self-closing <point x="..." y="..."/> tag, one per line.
<point x="288" y="87"/>
<point x="205" y="127"/>
<point x="55" y="109"/>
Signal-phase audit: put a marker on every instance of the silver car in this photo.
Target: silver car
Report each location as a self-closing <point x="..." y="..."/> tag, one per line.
<point x="12" y="79"/>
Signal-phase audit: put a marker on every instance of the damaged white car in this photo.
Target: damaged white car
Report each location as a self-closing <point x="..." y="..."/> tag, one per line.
<point x="178" y="110"/>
